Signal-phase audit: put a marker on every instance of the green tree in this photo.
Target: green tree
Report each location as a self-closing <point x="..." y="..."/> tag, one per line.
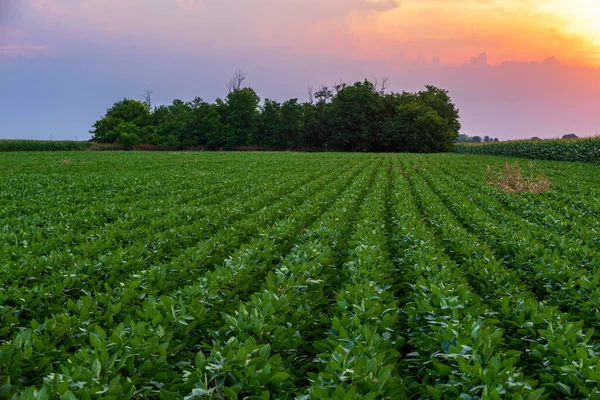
<point x="291" y="124"/>
<point x="127" y="110"/>
<point x="127" y="134"/>
<point x="242" y="117"/>
<point x="212" y="128"/>
<point x="418" y="128"/>
<point x="175" y="121"/>
<point x="440" y="101"/>
<point x="270" y="133"/>
<point x="356" y="112"/>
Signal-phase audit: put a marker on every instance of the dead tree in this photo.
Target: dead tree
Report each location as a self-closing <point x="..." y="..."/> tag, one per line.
<point x="310" y="94"/>
<point x="380" y="86"/>
<point x="235" y="82"/>
<point x="147" y="97"/>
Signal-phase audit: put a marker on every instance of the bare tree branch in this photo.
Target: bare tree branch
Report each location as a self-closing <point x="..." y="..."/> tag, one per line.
<point x="147" y="97"/>
<point x="339" y="86"/>
<point x="380" y="85"/>
<point x="310" y="94"/>
<point x="235" y="82"/>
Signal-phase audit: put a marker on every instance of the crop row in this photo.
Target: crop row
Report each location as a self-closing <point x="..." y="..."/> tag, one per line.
<point x="582" y="150"/>
<point x="281" y="276"/>
<point x="41" y="145"/>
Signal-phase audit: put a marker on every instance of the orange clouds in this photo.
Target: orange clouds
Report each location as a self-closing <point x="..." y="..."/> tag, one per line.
<point x="389" y="30"/>
<point x="455" y="30"/>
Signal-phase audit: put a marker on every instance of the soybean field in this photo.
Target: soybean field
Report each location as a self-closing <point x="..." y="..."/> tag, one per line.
<point x="199" y="275"/>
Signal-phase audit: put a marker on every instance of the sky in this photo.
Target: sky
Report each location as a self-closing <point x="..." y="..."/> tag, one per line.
<point x="514" y="68"/>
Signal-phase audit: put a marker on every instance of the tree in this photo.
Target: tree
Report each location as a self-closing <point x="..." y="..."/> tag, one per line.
<point x="242" y="117"/>
<point x="271" y="135"/>
<point x="126" y="110"/>
<point x="291" y="123"/>
<point x="323" y="95"/>
<point x="212" y="128"/>
<point x="440" y="101"/>
<point x="127" y="134"/>
<point x="486" y="139"/>
<point x="570" y="136"/>
<point x="355" y="114"/>
<point x="349" y="117"/>
<point x="175" y="120"/>
<point x="418" y="128"/>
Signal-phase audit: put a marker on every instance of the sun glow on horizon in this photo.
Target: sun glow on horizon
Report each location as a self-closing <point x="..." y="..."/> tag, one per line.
<point x="450" y="32"/>
<point x="581" y="18"/>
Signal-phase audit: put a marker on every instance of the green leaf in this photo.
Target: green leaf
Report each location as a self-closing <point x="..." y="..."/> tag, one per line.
<point x="265" y="351"/>
<point x="96" y="342"/>
<point x="279" y="377"/>
<point x="160" y="331"/>
<point x="476" y="331"/>
<point x="434" y="392"/>
<point x="230" y="393"/>
<point x="536" y="395"/>
<point x="42" y="394"/>
<point x="68" y="395"/>
<point x="96" y="368"/>
<point x="29" y="394"/>
<point x="351" y="394"/>
<point x="384" y="375"/>
<point x="564" y="388"/>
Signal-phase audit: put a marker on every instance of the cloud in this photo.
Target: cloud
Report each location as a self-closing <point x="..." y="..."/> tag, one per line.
<point x="514" y="99"/>
<point x="382" y="5"/>
<point x="359" y="29"/>
<point x="191" y="5"/>
<point x="481" y="50"/>
<point x="22" y="50"/>
<point x="481" y="60"/>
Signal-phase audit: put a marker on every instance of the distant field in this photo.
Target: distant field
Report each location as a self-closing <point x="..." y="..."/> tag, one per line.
<point x="580" y="150"/>
<point x="41" y="145"/>
<point x="295" y="275"/>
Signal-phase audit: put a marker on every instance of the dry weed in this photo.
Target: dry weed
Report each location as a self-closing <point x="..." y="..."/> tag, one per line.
<point x="511" y="179"/>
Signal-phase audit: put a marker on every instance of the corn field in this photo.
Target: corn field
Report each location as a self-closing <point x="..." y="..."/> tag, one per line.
<point x="581" y="150"/>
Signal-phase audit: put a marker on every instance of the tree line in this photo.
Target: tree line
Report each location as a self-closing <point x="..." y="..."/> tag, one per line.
<point x="346" y="117"/>
<point x="462" y="138"/>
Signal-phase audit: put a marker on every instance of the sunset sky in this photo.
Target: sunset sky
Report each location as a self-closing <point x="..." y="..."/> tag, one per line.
<point x="515" y="68"/>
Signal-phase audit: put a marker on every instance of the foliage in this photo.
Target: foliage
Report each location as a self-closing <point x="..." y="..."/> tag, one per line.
<point x="583" y="150"/>
<point x="128" y="111"/>
<point x="358" y="117"/>
<point x="191" y="275"/>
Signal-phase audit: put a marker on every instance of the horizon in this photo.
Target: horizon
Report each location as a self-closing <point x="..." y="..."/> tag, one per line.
<point x="534" y="70"/>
